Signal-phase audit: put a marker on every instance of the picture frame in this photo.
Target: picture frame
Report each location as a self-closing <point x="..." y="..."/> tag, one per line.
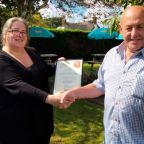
<point x="68" y="74"/>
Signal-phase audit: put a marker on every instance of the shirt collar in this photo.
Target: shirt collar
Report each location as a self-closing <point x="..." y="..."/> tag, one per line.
<point x="142" y="51"/>
<point x="121" y="49"/>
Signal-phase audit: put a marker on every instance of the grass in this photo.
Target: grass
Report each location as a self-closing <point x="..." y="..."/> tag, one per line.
<point x="81" y="123"/>
<point x="86" y="67"/>
<point x="89" y="76"/>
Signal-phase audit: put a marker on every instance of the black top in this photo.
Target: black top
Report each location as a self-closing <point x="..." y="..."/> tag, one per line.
<point x="24" y="117"/>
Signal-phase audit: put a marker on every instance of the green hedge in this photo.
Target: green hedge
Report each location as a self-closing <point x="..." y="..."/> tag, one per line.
<point x="72" y="44"/>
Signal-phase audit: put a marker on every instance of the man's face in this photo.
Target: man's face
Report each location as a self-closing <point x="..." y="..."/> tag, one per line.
<point x="132" y="29"/>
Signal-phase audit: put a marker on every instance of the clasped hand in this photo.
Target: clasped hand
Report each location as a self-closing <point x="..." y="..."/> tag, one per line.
<point x="61" y="99"/>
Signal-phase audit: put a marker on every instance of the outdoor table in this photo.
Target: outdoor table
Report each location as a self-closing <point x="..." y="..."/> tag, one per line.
<point x="49" y="57"/>
<point x="97" y="56"/>
<point x="96" y="59"/>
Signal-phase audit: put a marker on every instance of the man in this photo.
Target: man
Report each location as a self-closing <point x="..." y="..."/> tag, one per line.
<point x="121" y="79"/>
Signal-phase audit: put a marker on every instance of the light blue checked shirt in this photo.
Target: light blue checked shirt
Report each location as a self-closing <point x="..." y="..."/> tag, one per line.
<point x="123" y="84"/>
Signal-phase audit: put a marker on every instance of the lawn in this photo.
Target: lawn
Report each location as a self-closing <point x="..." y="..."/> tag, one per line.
<point x="82" y="122"/>
<point x="88" y="75"/>
<point x="86" y="67"/>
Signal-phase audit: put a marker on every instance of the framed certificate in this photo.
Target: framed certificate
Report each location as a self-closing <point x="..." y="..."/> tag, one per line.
<point x="68" y="74"/>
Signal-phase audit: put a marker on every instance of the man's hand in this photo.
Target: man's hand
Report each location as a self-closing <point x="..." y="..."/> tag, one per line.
<point x="61" y="100"/>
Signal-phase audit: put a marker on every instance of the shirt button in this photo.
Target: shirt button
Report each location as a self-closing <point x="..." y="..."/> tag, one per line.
<point x="116" y="135"/>
<point x="119" y="87"/>
<point x="117" y="102"/>
<point x="116" y="120"/>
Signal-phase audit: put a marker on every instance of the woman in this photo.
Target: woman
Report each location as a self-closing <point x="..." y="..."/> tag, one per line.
<point x="26" y="112"/>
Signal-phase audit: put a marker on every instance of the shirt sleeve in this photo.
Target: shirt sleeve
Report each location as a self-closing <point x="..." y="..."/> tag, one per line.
<point x="99" y="82"/>
<point x="11" y="82"/>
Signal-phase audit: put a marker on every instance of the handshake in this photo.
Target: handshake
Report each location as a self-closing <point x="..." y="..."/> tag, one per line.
<point x="61" y="100"/>
<point x="66" y="98"/>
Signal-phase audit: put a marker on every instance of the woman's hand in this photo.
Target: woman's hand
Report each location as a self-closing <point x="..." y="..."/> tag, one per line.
<point x="57" y="100"/>
<point x="62" y="58"/>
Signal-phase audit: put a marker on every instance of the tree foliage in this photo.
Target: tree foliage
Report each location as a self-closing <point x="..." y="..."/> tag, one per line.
<point x="28" y="9"/>
<point x="114" y="21"/>
<point x="124" y="3"/>
<point x="21" y="8"/>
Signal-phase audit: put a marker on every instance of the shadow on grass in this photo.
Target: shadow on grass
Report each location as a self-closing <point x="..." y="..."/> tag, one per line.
<point x="82" y="123"/>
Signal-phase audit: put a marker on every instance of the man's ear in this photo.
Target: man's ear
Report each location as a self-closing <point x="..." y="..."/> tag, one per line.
<point x="120" y="28"/>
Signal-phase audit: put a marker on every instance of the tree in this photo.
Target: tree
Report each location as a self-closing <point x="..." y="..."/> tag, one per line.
<point x="124" y="3"/>
<point x="114" y="21"/>
<point x="22" y="8"/>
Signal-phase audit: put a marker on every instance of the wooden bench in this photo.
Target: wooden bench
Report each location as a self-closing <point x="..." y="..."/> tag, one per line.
<point x="92" y="63"/>
<point x="49" y="58"/>
<point x="96" y="59"/>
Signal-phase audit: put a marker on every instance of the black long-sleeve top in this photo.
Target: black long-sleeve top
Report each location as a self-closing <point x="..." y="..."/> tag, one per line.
<point x="24" y="117"/>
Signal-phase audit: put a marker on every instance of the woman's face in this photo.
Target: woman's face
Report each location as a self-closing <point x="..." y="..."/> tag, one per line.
<point x="16" y="37"/>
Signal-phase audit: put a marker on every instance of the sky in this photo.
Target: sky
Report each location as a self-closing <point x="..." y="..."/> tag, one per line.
<point x="75" y="13"/>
